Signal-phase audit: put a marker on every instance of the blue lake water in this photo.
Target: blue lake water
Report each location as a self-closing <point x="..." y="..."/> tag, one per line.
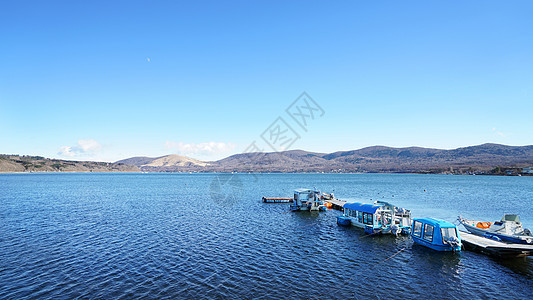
<point x="209" y="236"/>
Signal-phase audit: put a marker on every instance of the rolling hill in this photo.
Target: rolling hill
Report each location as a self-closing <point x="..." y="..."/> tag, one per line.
<point x="482" y="158"/>
<point x="19" y="164"/>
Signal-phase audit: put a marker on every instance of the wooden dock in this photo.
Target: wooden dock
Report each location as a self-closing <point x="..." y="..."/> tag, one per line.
<point x="495" y="248"/>
<point x="277" y="200"/>
<point x="336" y="203"/>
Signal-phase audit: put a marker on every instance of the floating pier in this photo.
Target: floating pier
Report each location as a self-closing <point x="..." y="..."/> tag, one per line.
<point x="494" y="248"/>
<point x="277" y="200"/>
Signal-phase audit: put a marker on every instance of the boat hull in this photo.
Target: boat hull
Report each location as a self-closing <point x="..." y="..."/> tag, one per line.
<point x="296" y="208"/>
<point x="347" y="221"/>
<point x="376" y="230"/>
<point x="442" y="248"/>
<point x="488" y="234"/>
<point x="344" y="221"/>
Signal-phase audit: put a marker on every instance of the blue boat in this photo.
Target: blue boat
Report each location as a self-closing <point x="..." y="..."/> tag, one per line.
<point x="436" y="234"/>
<point x="377" y="218"/>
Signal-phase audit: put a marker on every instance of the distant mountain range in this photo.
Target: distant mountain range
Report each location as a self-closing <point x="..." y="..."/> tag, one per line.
<point x="482" y="158"/>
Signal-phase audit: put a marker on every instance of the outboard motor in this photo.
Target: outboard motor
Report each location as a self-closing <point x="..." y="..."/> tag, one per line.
<point x="395" y="229"/>
<point x="454" y="242"/>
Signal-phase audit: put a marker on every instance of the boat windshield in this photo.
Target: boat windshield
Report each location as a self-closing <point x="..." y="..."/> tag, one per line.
<point x="512" y="218"/>
<point x="448" y="233"/>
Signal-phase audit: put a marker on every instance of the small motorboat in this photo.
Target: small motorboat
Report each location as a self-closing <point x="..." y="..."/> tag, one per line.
<point x="328" y="196"/>
<point x="509" y="229"/>
<point x="377" y="218"/>
<point x="436" y="234"/>
<point x="307" y="199"/>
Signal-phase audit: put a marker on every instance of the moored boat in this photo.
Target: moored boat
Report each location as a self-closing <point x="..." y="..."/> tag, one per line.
<point x="509" y="229"/>
<point x="328" y="196"/>
<point x="307" y="199"/>
<point x="380" y="217"/>
<point x="436" y="234"/>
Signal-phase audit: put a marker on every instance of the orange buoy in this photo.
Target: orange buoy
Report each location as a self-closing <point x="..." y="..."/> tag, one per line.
<point x="483" y="225"/>
<point x="329" y="205"/>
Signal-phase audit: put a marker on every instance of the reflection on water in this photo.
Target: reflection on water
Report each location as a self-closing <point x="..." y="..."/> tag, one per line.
<point x="519" y="265"/>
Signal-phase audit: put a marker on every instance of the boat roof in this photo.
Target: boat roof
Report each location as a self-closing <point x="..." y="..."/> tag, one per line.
<point x="304" y="190"/>
<point x="363" y="207"/>
<point x="435" y="222"/>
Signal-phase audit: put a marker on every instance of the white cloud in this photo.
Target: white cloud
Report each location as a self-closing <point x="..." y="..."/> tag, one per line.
<point x="66" y="151"/>
<point x="206" y="149"/>
<point x="498" y="132"/>
<point x="87" y="147"/>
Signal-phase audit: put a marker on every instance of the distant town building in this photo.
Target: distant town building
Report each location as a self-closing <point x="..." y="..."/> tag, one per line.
<point x="528" y="170"/>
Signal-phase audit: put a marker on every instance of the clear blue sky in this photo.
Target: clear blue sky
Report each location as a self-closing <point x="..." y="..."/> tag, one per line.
<point x="113" y="79"/>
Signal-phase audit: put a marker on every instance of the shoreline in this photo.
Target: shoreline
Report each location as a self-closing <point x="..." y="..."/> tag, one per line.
<point x="258" y="173"/>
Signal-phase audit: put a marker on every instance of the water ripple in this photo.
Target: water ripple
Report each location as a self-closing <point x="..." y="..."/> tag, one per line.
<point x="157" y="236"/>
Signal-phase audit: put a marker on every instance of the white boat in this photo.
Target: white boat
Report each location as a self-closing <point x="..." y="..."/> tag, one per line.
<point x="328" y="196"/>
<point x="509" y="229"/>
<point x="308" y="199"/>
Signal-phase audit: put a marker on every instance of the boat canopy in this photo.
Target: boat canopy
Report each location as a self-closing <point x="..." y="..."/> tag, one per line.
<point x="363" y="207"/>
<point x="435" y="222"/>
<point x="299" y="191"/>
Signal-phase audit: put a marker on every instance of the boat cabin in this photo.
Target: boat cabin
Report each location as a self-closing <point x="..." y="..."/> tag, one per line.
<point x="379" y="217"/>
<point x="436" y="234"/>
